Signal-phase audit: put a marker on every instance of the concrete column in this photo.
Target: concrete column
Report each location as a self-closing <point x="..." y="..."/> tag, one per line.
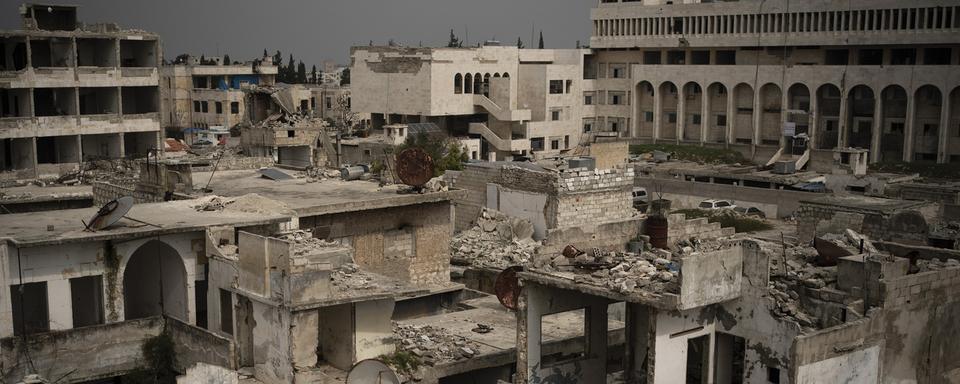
<point x="908" y="134"/>
<point x="657" y="112"/>
<point x="681" y="111"/>
<point x="33" y="156"/>
<point x="731" y="116"/>
<point x="757" y="116"/>
<point x="814" y="119"/>
<point x="122" y="146"/>
<point x="944" y="130"/>
<point x="704" y="113"/>
<point x="6" y="308"/>
<point x="58" y="299"/>
<point x="844" y="116"/>
<point x="634" y="128"/>
<point x="784" y="106"/>
<point x="877" y="127"/>
<point x="80" y="150"/>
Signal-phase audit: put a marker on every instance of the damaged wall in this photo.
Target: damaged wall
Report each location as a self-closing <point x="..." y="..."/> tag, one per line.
<point x="410" y="243"/>
<point x="710" y="277"/>
<point x="921" y="318"/>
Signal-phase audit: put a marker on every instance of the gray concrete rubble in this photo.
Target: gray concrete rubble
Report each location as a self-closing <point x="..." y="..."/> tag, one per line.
<point x="497" y="241"/>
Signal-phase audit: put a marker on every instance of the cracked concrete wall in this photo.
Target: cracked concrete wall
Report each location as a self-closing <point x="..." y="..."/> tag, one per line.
<point x="367" y="231"/>
<point x="921" y="318"/>
<point x="537" y="301"/>
<point x="710" y="277"/>
<point x="271" y="344"/>
<point x="374" y="331"/>
<point x="194" y="345"/>
<point x="115" y="347"/>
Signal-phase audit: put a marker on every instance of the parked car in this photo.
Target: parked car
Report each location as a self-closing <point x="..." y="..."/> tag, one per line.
<point x="716" y="204"/>
<point x="640" y="196"/>
<point x="751" y="211"/>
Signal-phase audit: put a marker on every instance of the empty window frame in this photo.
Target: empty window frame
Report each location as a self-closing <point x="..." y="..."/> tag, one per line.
<point x="86" y="297"/>
<point x="30" y="310"/>
<point x="556" y="87"/>
<point x="226" y="311"/>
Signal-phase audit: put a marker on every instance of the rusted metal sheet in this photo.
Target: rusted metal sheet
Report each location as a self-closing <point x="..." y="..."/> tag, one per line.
<point x="507" y="287"/>
<point x="414" y="167"/>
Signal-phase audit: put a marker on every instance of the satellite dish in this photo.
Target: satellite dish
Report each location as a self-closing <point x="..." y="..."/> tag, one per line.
<point x="110" y="213"/>
<point x="414" y="167"/>
<point x="372" y="371"/>
<point x="507" y="287"/>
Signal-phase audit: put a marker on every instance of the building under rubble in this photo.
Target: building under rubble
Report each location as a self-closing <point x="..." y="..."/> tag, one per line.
<point x="280" y="125"/>
<point x="198" y="96"/>
<point x="72" y="92"/>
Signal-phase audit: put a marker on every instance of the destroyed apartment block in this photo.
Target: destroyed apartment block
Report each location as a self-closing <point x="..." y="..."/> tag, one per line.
<point x="280" y="125"/>
<point x="75" y="92"/>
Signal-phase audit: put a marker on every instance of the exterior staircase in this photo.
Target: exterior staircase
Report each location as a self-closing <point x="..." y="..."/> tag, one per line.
<point x="501" y="144"/>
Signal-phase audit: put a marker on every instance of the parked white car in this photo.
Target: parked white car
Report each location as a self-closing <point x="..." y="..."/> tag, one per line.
<point x="716" y="204"/>
<point x="640" y="195"/>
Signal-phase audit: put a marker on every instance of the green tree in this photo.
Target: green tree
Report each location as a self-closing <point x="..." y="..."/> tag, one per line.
<point x="291" y="76"/>
<point x="313" y="75"/>
<point x="203" y="60"/>
<point x="265" y="54"/>
<point x="541" y="39"/>
<point x="454" y="41"/>
<point x="226" y="60"/>
<point x="519" y="43"/>
<point x="345" y="77"/>
<point x="301" y="73"/>
<point x="447" y="153"/>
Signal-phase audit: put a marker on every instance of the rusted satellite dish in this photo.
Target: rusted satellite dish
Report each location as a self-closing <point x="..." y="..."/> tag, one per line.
<point x="110" y="213"/>
<point x="372" y="371"/>
<point x="414" y="167"/>
<point x="507" y="287"/>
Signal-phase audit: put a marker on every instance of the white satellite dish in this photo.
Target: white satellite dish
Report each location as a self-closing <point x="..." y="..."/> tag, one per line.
<point x="110" y="213"/>
<point x="372" y="371"/>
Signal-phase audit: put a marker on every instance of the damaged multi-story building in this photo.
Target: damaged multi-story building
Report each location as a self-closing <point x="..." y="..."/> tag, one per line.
<point x="280" y="125"/>
<point x="521" y="102"/>
<point x="778" y="79"/>
<point x="200" y="96"/>
<point x="72" y="92"/>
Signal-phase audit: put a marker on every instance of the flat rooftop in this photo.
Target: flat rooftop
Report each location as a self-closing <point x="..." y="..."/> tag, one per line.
<point x="33" y="193"/>
<point x="317" y="198"/>
<point x="864" y="203"/>
<point x="66" y="226"/>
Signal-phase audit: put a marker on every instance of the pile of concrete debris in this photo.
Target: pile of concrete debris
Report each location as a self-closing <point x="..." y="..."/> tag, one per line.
<point x="497" y="241"/>
<point x="349" y="278"/>
<point x="433" y="345"/>
<point x="622" y="272"/>
<point x="249" y="203"/>
<point x="937" y="264"/>
<point x="305" y="243"/>
<point x="792" y="269"/>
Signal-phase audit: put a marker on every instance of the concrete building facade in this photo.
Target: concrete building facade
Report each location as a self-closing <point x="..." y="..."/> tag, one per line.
<point x="203" y="96"/>
<point x="72" y="92"/>
<point x="749" y="75"/>
<point x="520" y="101"/>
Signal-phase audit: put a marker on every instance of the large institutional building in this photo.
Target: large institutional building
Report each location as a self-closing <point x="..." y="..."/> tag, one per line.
<point x="760" y="75"/>
<point x="71" y="92"/>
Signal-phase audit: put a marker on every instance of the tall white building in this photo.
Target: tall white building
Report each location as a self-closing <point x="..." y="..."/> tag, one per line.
<point x="520" y="101"/>
<point x="881" y="75"/>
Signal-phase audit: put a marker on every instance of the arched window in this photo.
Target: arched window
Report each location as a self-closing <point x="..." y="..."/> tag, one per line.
<point x="506" y="74"/>
<point x="496" y="74"/>
<point x="458" y="84"/>
<point x="477" y="83"/>
<point x="486" y="85"/>
<point x="468" y="83"/>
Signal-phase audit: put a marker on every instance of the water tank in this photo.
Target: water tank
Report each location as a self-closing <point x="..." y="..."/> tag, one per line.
<point x="351" y="173"/>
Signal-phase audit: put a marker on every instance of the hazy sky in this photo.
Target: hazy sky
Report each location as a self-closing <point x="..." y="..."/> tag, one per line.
<point x="314" y="30"/>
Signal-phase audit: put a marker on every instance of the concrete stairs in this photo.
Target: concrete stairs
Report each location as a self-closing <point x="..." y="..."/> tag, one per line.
<point x="501" y="113"/>
<point x="501" y="144"/>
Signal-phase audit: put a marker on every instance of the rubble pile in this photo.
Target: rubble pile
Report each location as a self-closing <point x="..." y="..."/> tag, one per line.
<point x="620" y="271"/>
<point x="791" y="270"/>
<point x="249" y="203"/>
<point x="433" y="345"/>
<point x="306" y="243"/>
<point x="937" y="264"/>
<point x="497" y="241"/>
<point x="349" y="278"/>
<point x="850" y="241"/>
